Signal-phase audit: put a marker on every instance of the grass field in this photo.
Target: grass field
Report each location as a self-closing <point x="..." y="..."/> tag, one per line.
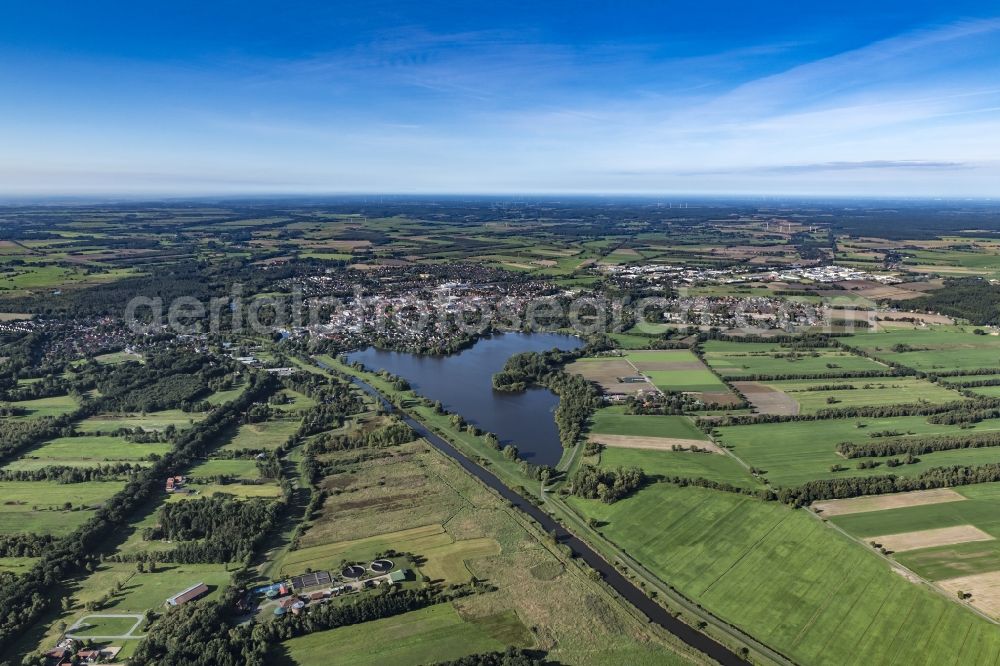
<point x="980" y="510"/>
<point x="415" y="540"/>
<point x="614" y="421"/>
<point x="987" y="391"/>
<point x="88" y="450"/>
<point x="429" y="635"/>
<point x="139" y="592"/>
<point x="298" y="402"/>
<point x="97" y="625"/>
<point x="118" y="357"/>
<point x="268" y="490"/>
<point x="780" y="575"/>
<point x="958" y="379"/>
<point x="38" y="506"/>
<point x="17" y="565"/>
<point x="447" y="563"/>
<point x="220" y="397"/>
<point x="267" y="436"/>
<point x="681" y="463"/>
<point x="935" y="348"/>
<point x="742" y="359"/>
<point x="54" y="406"/>
<point x="630" y="341"/>
<point x="239" y="468"/>
<point x="151" y="421"/>
<point x="676" y="370"/>
<point x="868" y="391"/>
<point x="794" y="452"/>
<point x="386" y="496"/>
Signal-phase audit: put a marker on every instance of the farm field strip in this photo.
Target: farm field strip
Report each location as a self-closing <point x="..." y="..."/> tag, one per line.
<point x="652" y="443"/>
<point x="93" y="449"/>
<point x="862" y="392"/>
<point x="742" y="360"/>
<point x="676" y="370"/>
<point x="945" y="348"/>
<point x="869" y="503"/>
<point x="430" y="634"/>
<point x="795" y="452"/>
<point x="942" y="536"/>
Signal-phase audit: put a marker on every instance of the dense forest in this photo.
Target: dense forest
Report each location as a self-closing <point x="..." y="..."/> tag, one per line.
<point x="972" y="298"/>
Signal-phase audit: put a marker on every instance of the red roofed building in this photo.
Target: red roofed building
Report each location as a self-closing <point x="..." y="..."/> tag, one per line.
<point x="187" y="595"/>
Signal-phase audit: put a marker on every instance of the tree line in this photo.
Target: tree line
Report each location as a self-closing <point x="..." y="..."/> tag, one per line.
<point x="918" y="446"/>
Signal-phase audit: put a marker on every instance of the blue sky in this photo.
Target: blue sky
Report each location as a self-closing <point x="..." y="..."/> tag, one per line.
<point x="855" y="98"/>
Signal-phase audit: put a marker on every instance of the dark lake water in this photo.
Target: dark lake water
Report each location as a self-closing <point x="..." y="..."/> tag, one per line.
<point x="463" y="384"/>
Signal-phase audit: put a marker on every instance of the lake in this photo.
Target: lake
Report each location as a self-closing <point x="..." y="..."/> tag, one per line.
<point x="463" y="384"/>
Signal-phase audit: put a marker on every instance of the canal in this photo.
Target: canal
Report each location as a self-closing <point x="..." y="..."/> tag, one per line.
<point x="656" y="613"/>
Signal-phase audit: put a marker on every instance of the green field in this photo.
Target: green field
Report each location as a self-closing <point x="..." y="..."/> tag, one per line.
<point x="298" y="402"/>
<point x="614" y="421"/>
<point x="779" y="574"/>
<point x="980" y="510"/>
<point x="38" y="506"/>
<point x="236" y="467"/>
<point x="630" y="341"/>
<point x="151" y="421"/>
<point x="958" y="379"/>
<point x="737" y="360"/>
<point x="54" y="406"/>
<point x="946" y="348"/>
<point x="715" y="467"/>
<point x="676" y="370"/>
<point x="266" y="490"/>
<point x="16" y="565"/>
<point x="866" y="391"/>
<point x="433" y="634"/>
<point x="262" y="436"/>
<point x="89" y="450"/>
<point x="95" y="625"/>
<point x="220" y="397"/>
<point x="142" y="591"/>
<point x="118" y="357"/>
<point x="987" y="391"/>
<point x="794" y="452"/>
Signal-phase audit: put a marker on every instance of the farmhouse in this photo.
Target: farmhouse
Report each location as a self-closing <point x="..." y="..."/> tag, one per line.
<point x="193" y="592"/>
<point x="174" y="483"/>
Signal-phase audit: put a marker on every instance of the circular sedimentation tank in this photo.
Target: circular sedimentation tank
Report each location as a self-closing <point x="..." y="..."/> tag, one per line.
<point x="381" y="566"/>
<point x="353" y="571"/>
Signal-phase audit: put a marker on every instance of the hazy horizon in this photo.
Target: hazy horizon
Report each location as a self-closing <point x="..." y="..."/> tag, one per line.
<point x="892" y="99"/>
